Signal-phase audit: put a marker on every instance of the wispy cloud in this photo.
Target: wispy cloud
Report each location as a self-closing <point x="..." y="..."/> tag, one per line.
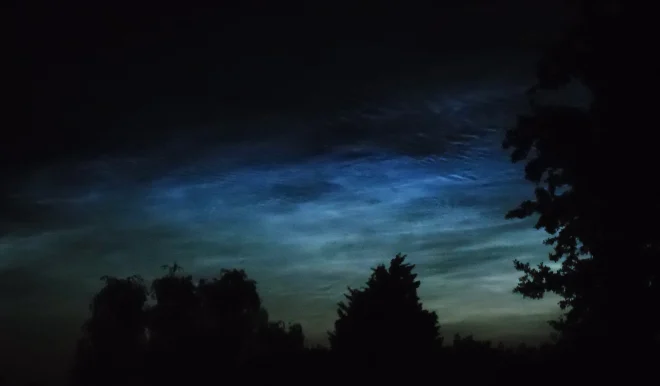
<point x="304" y="225"/>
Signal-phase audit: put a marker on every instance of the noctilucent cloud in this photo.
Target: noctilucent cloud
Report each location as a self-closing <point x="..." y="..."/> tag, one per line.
<point x="421" y="174"/>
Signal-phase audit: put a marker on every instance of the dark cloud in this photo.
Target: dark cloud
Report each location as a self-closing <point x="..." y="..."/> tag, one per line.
<point x="140" y="74"/>
<point x="20" y="215"/>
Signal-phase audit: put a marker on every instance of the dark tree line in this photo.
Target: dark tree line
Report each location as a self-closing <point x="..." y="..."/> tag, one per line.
<point x="190" y="328"/>
<point x="178" y="331"/>
<point x="192" y="331"/>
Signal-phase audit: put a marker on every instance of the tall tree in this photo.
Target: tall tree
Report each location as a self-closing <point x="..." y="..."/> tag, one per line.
<point x="172" y="325"/>
<point x="112" y="349"/>
<point x="197" y="328"/>
<point x="594" y="194"/>
<point x="385" y="320"/>
<point x="190" y="330"/>
<point x="231" y="312"/>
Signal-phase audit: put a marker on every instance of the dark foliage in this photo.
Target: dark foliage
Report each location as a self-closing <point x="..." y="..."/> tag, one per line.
<point x="594" y="194"/>
<point x="191" y="331"/>
<point x="195" y="331"/>
<point x="385" y="320"/>
<point x="113" y="345"/>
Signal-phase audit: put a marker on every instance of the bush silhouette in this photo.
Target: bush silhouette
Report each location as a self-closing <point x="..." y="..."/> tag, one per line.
<point x="385" y="320"/>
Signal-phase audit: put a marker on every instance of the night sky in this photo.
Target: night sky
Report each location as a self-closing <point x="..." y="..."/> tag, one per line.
<point x="303" y="145"/>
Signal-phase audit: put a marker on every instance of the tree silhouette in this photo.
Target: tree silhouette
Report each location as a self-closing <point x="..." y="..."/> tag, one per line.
<point x="385" y="320"/>
<point x="190" y="331"/>
<point x="276" y="338"/>
<point x="114" y="342"/>
<point x="469" y="344"/>
<point x="279" y="348"/>
<point x="230" y="315"/>
<point x="172" y="325"/>
<point x="593" y="192"/>
<point x="199" y="328"/>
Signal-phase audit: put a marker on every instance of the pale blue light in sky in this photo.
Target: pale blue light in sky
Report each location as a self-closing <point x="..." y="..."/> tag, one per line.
<point x="304" y="226"/>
